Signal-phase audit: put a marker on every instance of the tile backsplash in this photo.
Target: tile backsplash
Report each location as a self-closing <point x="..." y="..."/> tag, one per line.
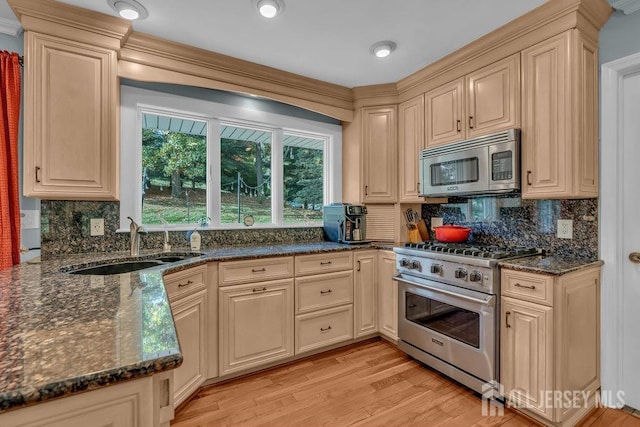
<point x="65" y="230"/>
<point x="509" y="220"/>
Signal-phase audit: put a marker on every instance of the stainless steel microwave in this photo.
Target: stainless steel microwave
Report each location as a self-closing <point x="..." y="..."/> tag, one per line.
<point x="484" y="165"/>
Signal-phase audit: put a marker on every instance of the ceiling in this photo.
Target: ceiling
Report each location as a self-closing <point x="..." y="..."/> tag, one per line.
<point x="327" y="40"/>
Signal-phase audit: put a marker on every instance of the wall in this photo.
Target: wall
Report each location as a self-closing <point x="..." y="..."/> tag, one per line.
<point x="620" y="36"/>
<point x="29" y="238"/>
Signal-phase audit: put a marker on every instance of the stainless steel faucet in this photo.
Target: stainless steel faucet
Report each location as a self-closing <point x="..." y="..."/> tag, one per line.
<point x="134" y="234"/>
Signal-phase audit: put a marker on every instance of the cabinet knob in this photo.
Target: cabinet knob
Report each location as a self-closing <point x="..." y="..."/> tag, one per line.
<point x="634" y="257"/>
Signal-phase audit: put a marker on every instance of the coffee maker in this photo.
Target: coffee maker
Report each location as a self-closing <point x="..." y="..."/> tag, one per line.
<point x="345" y="223"/>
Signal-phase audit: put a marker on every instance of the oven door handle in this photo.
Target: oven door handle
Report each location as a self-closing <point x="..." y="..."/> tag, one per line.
<point x="488" y="302"/>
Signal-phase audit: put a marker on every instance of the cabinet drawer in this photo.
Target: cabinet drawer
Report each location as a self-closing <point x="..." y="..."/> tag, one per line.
<point x="323" y="291"/>
<point x="323" y="328"/>
<point x="255" y="270"/>
<point x="537" y="288"/>
<point x="185" y="282"/>
<point x="323" y="263"/>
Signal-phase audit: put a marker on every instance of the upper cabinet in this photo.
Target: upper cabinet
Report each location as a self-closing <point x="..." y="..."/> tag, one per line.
<point x="560" y="118"/>
<point x="71" y="135"/>
<point x="379" y="170"/>
<point x="482" y="102"/>
<point x="410" y="142"/>
<point x="71" y="101"/>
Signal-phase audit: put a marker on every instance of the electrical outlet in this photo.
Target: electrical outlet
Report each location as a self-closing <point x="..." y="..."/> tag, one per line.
<point x="29" y="219"/>
<point x="565" y="229"/>
<point x="436" y="222"/>
<point x="97" y="226"/>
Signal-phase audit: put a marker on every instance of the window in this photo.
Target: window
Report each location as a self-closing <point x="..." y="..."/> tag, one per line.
<point x="190" y="161"/>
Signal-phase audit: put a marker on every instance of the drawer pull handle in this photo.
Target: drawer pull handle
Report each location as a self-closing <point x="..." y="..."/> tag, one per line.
<point x="258" y="270"/>
<point x="325" y="292"/>
<point x="37" y="173"/>
<point x="359" y="266"/>
<point x="325" y="263"/>
<point x="529" y="178"/>
<point x="182" y="285"/>
<point x="526" y="287"/>
<point x="507" y="319"/>
<point x="328" y="328"/>
<point x="259" y="289"/>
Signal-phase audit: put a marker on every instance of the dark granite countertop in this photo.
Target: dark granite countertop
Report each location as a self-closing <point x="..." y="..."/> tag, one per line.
<point x="61" y="333"/>
<point x="553" y="265"/>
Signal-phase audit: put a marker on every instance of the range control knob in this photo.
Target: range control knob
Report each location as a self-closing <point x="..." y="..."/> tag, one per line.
<point x="460" y="273"/>
<point x="405" y="263"/>
<point x="435" y="269"/>
<point x="475" y="276"/>
<point x="415" y="265"/>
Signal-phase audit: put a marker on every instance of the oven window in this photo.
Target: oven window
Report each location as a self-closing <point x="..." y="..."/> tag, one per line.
<point x="455" y="172"/>
<point x="457" y="323"/>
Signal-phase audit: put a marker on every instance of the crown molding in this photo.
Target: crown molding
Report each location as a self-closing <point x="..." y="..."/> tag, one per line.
<point x="10" y="27"/>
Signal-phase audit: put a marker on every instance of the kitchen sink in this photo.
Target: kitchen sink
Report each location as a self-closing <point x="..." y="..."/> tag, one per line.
<point x="116" y="267"/>
<point x="128" y="266"/>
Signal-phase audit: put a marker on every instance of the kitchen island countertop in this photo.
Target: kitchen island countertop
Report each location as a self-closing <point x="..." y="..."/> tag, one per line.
<point x="553" y="265"/>
<point x="62" y="334"/>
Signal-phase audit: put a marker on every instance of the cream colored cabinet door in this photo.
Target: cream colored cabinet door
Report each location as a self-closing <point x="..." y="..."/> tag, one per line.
<point x="444" y="114"/>
<point x="365" y="293"/>
<point x="526" y="364"/>
<point x="387" y="295"/>
<point x="379" y="154"/>
<point x="71" y="148"/>
<point x="190" y="318"/>
<point x="493" y="101"/>
<point x="256" y="324"/>
<point x="410" y="142"/>
<point x="560" y="118"/>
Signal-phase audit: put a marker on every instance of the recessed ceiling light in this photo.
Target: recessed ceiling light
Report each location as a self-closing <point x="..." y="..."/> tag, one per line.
<point x="128" y="9"/>
<point x="383" y="48"/>
<point x="270" y="8"/>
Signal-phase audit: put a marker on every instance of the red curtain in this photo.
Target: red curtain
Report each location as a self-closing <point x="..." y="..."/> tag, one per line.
<point x="9" y="192"/>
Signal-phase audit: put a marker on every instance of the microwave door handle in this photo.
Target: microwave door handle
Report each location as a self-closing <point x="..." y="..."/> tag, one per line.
<point x="489" y="302"/>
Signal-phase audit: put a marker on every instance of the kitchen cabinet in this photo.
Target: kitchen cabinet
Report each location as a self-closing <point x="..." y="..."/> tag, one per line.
<point x="366" y="293"/>
<point x="482" y="102"/>
<point x="379" y="158"/>
<point x="71" y="142"/>
<point x="560" y="118"/>
<point x="187" y="291"/>
<point x="127" y="404"/>
<point x="410" y="142"/>
<point x="324" y="295"/>
<point x="387" y="295"/>
<point x="256" y="324"/>
<point x="550" y="342"/>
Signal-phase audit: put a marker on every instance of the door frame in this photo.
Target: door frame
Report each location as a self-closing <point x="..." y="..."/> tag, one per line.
<point x="611" y="230"/>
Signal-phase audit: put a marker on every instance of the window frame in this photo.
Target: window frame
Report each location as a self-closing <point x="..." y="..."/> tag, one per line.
<point x="135" y="101"/>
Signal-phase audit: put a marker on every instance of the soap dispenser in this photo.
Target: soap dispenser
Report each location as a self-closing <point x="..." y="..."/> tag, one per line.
<point x="195" y="240"/>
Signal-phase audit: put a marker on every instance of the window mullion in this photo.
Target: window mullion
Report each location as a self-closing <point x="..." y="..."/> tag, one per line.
<point x="277" y="173"/>
<point x="213" y="172"/>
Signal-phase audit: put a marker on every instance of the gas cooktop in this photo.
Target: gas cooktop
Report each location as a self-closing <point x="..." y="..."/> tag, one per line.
<point x="473" y="250"/>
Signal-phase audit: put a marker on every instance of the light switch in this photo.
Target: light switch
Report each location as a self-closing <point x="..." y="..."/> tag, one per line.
<point x="29" y="219"/>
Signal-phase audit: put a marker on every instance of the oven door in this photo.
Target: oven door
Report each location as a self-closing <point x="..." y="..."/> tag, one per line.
<point x="455" y="325"/>
<point x="459" y="172"/>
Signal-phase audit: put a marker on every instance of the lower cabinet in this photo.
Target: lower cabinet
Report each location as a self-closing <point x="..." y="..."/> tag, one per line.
<point x="366" y="293"/>
<point x="142" y="402"/>
<point x="550" y="343"/>
<point x="190" y="318"/>
<point x="256" y="324"/>
<point x="324" y="302"/>
<point x="387" y="295"/>
<point x="187" y="291"/>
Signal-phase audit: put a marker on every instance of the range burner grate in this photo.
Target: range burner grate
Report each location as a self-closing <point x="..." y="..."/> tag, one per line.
<point x="479" y="251"/>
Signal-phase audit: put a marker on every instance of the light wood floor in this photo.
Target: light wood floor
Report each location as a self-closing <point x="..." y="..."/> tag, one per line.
<point x="369" y="384"/>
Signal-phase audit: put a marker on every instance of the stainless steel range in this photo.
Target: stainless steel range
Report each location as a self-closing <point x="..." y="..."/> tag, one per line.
<point x="448" y="307"/>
